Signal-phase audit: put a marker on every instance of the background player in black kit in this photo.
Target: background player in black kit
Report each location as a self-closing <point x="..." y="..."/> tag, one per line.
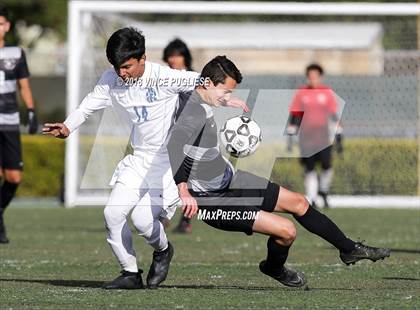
<point x="208" y="181"/>
<point x="14" y="74"/>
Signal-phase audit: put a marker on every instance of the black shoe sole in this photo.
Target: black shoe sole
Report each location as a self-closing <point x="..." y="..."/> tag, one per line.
<point x="123" y="288"/>
<point x="108" y="286"/>
<point x="289" y="284"/>
<point x="348" y="263"/>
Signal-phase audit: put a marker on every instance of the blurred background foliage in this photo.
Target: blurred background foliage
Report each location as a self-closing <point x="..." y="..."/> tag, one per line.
<point x="49" y="14"/>
<point x="52" y="14"/>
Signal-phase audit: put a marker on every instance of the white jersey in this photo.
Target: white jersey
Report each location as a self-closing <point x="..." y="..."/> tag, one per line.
<point x="149" y="106"/>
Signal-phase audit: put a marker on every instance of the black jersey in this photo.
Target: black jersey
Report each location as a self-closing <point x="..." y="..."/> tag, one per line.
<point x="12" y="68"/>
<point x="194" y="149"/>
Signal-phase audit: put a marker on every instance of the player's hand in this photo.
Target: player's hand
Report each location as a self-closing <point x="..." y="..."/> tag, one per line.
<point x="32" y="122"/>
<point x="58" y="130"/>
<point x="235" y="102"/>
<point x="189" y="204"/>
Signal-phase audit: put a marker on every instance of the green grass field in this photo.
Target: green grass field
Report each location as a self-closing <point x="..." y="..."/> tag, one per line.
<point x="58" y="259"/>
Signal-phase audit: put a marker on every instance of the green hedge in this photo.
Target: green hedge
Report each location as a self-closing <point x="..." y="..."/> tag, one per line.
<point x="369" y="166"/>
<point x="43" y="159"/>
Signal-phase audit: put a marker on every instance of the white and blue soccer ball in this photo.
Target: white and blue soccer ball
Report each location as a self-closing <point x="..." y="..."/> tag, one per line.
<point x="240" y="136"/>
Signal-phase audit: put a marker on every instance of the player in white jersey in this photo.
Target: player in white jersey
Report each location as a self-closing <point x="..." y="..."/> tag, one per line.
<point x="146" y="94"/>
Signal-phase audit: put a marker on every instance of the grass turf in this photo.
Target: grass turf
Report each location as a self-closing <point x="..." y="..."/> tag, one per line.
<point x="58" y="259"/>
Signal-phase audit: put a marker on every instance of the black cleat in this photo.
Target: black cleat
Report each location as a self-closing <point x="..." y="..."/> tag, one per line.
<point x="183" y="228"/>
<point x="362" y="251"/>
<point x="286" y="276"/>
<point x="126" y="281"/>
<point x="3" y="238"/>
<point x="159" y="267"/>
<point x="325" y="199"/>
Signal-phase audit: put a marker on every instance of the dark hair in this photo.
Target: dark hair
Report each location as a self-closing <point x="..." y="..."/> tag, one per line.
<point x="124" y="44"/>
<point x="178" y="47"/>
<point x="316" y="67"/>
<point x="219" y="68"/>
<point x="4" y="11"/>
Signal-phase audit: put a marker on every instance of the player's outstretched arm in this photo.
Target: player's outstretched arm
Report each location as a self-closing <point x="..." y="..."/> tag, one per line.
<point x="58" y="130"/>
<point x="96" y="100"/>
<point x="189" y="203"/>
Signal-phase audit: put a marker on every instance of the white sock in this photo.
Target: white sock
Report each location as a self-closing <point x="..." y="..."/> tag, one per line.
<point x="311" y="185"/>
<point x="121" y="201"/>
<point x="122" y="246"/>
<point x="325" y="180"/>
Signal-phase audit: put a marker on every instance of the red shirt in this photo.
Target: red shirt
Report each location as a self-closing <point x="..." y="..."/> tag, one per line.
<point x="317" y="106"/>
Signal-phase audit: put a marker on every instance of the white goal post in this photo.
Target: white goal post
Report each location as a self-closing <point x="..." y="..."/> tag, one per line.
<point x="80" y="12"/>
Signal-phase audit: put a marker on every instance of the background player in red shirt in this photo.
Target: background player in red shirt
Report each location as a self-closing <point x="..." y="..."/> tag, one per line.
<point x="312" y="112"/>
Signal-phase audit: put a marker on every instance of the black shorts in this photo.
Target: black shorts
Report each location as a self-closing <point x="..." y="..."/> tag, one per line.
<point x="10" y="150"/>
<point x="235" y="208"/>
<point x="324" y="157"/>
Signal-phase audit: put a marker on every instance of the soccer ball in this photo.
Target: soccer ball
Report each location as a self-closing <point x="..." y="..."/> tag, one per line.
<point x="240" y="136"/>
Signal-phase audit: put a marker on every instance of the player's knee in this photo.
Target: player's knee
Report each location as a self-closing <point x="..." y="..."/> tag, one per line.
<point x="112" y="216"/>
<point x="288" y="235"/>
<point x="144" y="228"/>
<point x="301" y="205"/>
<point x="13" y="178"/>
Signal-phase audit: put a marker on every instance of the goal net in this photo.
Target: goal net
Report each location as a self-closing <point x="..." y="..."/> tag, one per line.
<point x="370" y="53"/>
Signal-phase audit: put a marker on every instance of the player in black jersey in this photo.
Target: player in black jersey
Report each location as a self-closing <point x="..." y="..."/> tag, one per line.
<point x="207" y="181"/>
<point x="14" y="75"/>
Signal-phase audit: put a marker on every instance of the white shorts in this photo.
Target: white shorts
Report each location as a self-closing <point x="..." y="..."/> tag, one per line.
<point x="151" y="174"/>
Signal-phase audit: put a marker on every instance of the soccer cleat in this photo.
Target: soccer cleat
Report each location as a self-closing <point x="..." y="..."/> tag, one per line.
<point x="3" y="237"/>
<point x="183" y="228"/>
<point x="325" y="199"/>
<point x="126" y="281"/>
<point x="286" y="276"/>
<point x="362" y="251"/>
<point x="159" y="267"/>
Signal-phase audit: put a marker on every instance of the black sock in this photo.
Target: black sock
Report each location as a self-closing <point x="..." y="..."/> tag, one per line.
<point x="2" y="228"/>
<point x="8" y="191"/>
<point x="1" y="187"/>
<point x="276" y="254"/>
<point x="319" y="224"/>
